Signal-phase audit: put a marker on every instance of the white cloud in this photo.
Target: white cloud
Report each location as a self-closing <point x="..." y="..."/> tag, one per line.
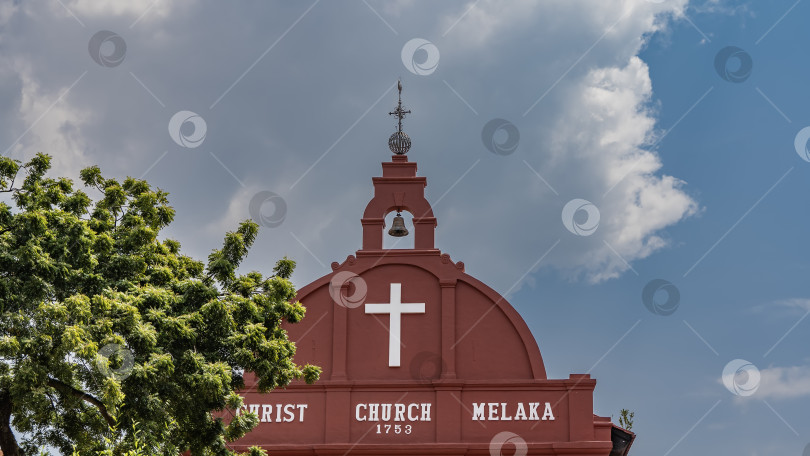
<point x="784" y="382"/>
<point x="600" y="136"/>
<point x="795" y="303"/>
<point x="793" y="307"/>
<point x="589" y="135"/>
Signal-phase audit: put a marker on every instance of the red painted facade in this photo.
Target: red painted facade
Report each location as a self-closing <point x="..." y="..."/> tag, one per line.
<point x="469" y="379"/>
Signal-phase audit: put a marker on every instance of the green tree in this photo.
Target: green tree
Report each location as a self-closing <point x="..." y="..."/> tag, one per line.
<point x="626" y="419"/>
<point x="111" y="341"/>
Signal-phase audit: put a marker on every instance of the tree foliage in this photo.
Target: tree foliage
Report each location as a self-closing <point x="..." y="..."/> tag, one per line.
<point x="111" y="340"/>
<point x="626" y="419"/>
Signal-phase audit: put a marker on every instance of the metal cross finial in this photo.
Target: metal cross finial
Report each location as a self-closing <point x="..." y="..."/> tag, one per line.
<point x="399" y="112"/>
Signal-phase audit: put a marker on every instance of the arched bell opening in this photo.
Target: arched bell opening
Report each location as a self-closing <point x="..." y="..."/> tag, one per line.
<point x="375" y="230"/>
<point x="399" y="233"/>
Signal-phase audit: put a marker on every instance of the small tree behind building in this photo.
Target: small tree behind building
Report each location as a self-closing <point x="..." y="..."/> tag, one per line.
<point x="626" y="419"/>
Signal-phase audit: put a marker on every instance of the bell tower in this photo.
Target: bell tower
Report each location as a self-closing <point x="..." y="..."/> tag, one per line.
<point x="399" y="189"/>
<point x="418" y="356"/>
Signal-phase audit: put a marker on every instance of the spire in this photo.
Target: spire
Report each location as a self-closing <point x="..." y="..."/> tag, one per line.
<point x="399" y="142"/>
<point x="399" y="112"/>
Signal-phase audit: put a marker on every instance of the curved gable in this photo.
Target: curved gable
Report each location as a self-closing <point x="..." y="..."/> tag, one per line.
<point x="482" y="316"/>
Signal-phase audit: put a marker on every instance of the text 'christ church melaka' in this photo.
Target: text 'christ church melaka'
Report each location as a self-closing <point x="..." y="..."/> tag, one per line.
<point x="418" y="357"/>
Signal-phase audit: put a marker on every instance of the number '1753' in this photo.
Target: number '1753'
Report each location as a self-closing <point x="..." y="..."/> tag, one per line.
<point x="394" y="429"/>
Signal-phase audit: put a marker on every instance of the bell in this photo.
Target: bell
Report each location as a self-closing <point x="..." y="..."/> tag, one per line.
<point x="398" y="227"/>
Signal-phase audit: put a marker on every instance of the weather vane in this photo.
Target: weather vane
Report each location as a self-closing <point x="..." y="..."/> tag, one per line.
<point x="399" y="142"/>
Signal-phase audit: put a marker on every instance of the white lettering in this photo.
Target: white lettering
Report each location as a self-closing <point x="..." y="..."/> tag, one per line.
<point x="385" y="412"/>
<point x="493" y="411"/>
<point x="521" y="412"/>
<point x="425" y="412"/>
<point x="288" y="414"/>
<point x="265" y="412"/>
<point x="547" y="415"/>
<point x="393" y="412"/>
<point x="357" y="414"/>
<point x="504" y="411"/>
<point x="478" y="411"/>
<point x="411" y="415"/>
<point x="533" y="411"/>
<point x="504" y="416"/>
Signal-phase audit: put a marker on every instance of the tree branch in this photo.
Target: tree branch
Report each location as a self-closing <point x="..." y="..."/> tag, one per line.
<point x="67" y="389"/>
<point x="11" y="186"/>
<point x="8" y="442"/>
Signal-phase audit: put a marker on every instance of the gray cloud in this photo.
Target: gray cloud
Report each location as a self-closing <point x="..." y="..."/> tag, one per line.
<point x="294" y="97"/>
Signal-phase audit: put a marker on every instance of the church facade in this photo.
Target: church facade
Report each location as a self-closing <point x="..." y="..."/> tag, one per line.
<point x="420" y="358"/>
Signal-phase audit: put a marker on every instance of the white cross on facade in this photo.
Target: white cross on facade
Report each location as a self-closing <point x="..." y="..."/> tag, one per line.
<point x="395" y="308"/>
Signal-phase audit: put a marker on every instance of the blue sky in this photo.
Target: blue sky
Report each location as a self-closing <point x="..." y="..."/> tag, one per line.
<point x="749" y="291"/>
<point x="620" y="103"/>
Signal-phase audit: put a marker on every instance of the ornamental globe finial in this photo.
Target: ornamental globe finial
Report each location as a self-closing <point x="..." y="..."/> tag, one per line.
<point x="399" y="142"/>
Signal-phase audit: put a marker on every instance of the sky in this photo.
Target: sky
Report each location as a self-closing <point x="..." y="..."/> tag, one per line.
<point x="632" y="175"/>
